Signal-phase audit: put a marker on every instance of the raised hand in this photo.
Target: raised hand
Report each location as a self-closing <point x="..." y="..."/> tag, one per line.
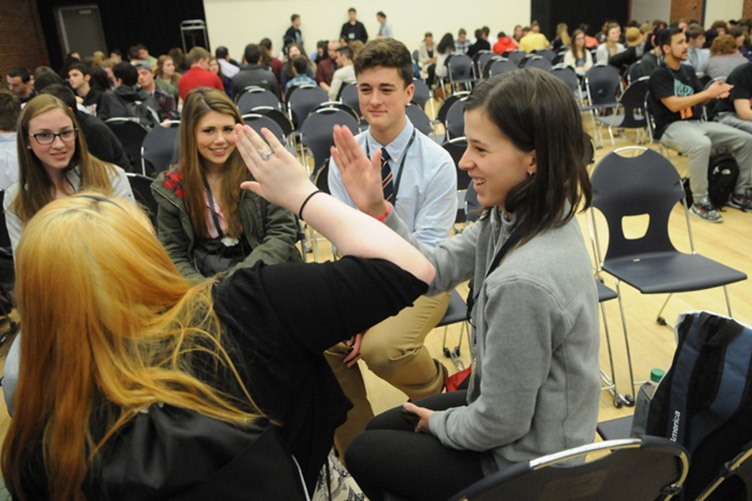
<point x="361" y="176"/>
<point x="278" y="176"/>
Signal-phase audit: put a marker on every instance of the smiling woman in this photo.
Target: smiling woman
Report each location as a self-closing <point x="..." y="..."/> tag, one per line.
<point x="54" y="162"/>
<point x="533" y="390"/>
<point x="205" y="221"/>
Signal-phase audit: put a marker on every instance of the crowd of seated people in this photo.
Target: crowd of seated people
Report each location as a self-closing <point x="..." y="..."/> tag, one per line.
<point x="219" y="323"/>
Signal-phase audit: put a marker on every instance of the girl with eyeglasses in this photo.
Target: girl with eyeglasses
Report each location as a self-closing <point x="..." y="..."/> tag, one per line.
<point x="53" y="163"/>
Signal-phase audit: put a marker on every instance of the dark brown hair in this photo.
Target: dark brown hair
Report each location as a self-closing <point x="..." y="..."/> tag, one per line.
<point x="10" y="108"/>
<point x="538" y="112"/>
<point x="388" y="53"/>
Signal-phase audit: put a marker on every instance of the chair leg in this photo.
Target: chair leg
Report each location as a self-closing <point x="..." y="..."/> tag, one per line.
<point x="728" y="301"/>
<point x="610" y="381"/>
<point x="596" y="130"/>
<point x="660" y="318"/>
<point x="632" y="382"/>
<point x="454" y="353"/>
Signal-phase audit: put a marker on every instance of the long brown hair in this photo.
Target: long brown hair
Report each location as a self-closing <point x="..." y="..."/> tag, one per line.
<point x="573" y="46"/>
<point x="198" y="103"/>
<point x="36" y="188"/>
<point x="536" y="111"/>
<point x="161" y="60"/>
<point x="110" y="327"/>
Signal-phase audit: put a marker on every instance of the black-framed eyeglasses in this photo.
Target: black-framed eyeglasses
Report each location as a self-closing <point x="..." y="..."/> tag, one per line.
<point x="47" y="138"/>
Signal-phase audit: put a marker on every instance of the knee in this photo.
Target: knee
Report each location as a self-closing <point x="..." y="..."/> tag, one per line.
<point x="383" y="358"/>
<point x="701" y="146"/>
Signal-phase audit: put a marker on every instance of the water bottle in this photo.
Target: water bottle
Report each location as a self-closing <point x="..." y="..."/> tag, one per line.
<point x="642" y="403"/>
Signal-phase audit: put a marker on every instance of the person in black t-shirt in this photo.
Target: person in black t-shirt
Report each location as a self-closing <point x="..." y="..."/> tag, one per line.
<point x="735" y="110"/>
<point x="677" y="97"/>
<point x="293" y="33"/>
<point x="111" y="330"/>
<point x="353" y="29"/>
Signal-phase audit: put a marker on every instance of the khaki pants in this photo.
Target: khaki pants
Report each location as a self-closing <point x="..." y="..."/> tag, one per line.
<point x="394" y="351"/>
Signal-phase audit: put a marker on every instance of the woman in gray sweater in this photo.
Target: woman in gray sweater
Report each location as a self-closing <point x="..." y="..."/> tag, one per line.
<point x="534" y="388"/>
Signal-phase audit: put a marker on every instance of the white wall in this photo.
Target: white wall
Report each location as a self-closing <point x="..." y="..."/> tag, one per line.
<point x="650" y="10"/>
<point x="235" y="23"/>
<point x="722" y="9"/>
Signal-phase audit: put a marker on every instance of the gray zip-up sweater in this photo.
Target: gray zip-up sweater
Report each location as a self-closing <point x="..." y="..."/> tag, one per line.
<point x="535" y="384"/>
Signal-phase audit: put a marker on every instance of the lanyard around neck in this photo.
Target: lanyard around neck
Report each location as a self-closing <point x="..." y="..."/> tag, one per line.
<point x="215" y="218"/>
<point x="401" y="164"/>
<point x="514" y="237"/>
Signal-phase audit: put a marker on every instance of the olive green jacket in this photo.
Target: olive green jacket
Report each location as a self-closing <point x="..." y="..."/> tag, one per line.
<point x="270" y="230"/>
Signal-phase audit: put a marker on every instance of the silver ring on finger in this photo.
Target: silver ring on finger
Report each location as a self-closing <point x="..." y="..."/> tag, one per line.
<point x="265" y="155"/>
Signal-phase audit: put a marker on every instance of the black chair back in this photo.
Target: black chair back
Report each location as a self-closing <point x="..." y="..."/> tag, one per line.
<point x="497" y="67"/>
<point x="141" y="187"/>
<point x="472" y="205"/>
<point x="635" y="469"/>
<point x="603" y="85"/>
<point x="515" y="56"/>
<point x="160" y="149"/>
<point x="633" y="101"/>
<point x="256" y="96"/>
<point x="303" y="101"/>
<point x="455" y="119"/>
<point x="316" y="132"/>
<point x="419" y="119"/>
<point x="278" y="116"/>
<point x="567" y="75"/>
<point x="539" y="62"/>
<point x="258" y="121"/>
<point x="460" y="68"/>
<point x="422" y="93"/>
<point x="631" y="186"/>
<point x="131" y="135"/>
<point x="349" y="96"/>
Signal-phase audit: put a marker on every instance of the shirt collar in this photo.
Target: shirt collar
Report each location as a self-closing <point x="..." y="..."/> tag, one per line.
<point x="397" y="146"/>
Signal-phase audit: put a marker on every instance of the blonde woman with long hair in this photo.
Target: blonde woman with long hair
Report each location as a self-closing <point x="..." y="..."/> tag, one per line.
<point x="205" y="221"/>
<point x="114" y="337"/>
<point x="54" y="162"/>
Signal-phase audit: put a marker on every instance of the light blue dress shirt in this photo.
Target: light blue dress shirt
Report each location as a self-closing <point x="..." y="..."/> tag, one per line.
<point x="427" y="195"/>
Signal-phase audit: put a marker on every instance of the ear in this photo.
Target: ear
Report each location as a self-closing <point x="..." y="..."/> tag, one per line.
<point x="410" y="91"/>
<point x="532" y="166"/>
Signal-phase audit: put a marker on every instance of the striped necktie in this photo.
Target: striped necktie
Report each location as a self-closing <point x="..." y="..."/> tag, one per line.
<point x="387" y="182"/>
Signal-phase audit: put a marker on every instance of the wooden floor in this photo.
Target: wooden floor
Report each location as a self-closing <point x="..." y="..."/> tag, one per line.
<point x="652" y="344"/>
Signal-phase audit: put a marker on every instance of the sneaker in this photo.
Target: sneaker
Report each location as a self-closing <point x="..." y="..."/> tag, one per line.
<point x="742" y="202"/>
<point x="705" y="211"/>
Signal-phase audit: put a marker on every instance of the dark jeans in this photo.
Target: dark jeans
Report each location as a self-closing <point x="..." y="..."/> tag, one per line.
<point x="390" y="457"/>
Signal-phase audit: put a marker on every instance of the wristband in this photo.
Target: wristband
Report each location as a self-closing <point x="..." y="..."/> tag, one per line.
<point x="385" y="215"/>
<point x="302" y="206"/>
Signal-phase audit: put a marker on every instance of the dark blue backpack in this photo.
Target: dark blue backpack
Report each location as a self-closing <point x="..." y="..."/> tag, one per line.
<point x="704" y="401"/>
<point x="722" y="174"/>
